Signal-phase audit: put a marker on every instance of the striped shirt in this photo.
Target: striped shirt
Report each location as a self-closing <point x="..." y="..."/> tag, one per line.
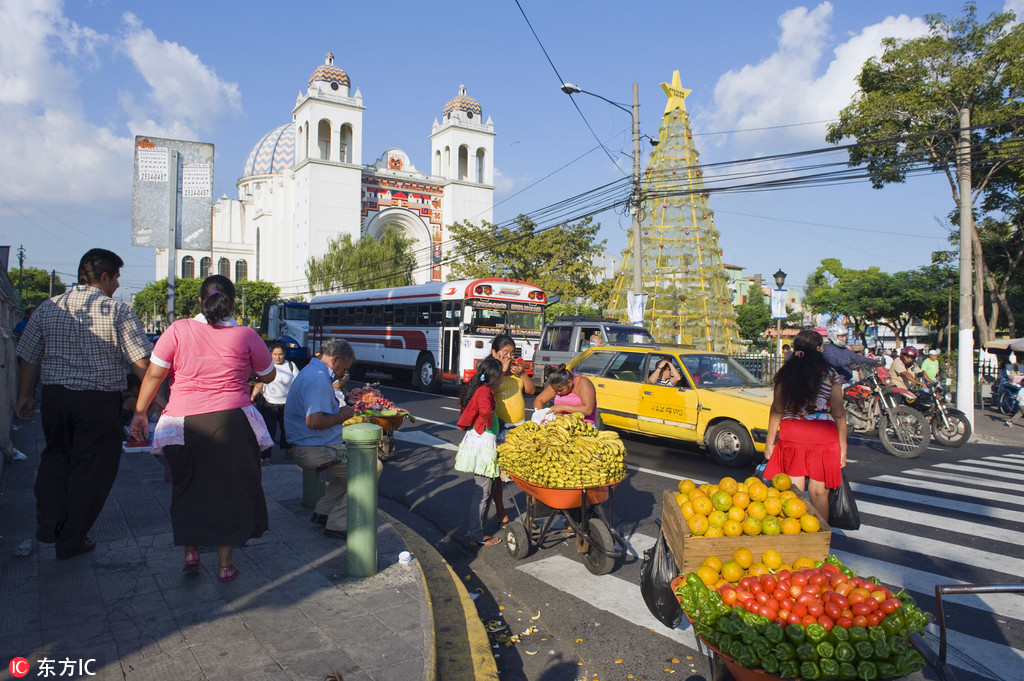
<point x="84" y="340"/>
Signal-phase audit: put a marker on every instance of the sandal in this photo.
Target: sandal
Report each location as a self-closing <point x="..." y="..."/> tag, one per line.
<point x="266" y="462"/>
<point x="228" y="572"/>
<point x="191" y="563"/>
<point x="504" y="522"/>
<point x="488" y="541"/>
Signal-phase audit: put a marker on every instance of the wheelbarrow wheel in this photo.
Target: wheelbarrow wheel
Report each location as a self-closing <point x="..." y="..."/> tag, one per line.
<point x="599" y="562"/>
<point x="517" y="539"/>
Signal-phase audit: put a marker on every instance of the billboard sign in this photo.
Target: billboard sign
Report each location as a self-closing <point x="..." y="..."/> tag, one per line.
<point x="166" y="168"/>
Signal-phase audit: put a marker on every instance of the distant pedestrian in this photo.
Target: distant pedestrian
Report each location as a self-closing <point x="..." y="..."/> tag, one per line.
<point x="19" y="328"/>
<point x="510" y="402"/>
<point x="930" y="365"/>
<point x="210" y="433"/>
<point x="478" y="451"/>
<point x="80" y="343"/>
<point x="270" y="398"/>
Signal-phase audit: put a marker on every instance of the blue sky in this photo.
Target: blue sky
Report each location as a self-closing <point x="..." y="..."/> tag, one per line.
<point x="79" y="80"/>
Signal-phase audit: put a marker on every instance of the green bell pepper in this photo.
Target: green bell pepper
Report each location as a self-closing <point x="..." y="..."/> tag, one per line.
<point x="867" y="671"/>
<point x="858" y="634"/>
<point x="865" y="650"/>
<point x="790" y="669"/>
<point x="847" y="672"/>
<point x="809" y="671"/>
<point x="829" y="668"/>
<point x="815" y="633"/>
<point x="805" y="651"/>
<point x="887" y="670"/>
<point x="839" y="634"/>
<point x="845" y="652"/>
<point x="881" y="650"/>
<point x="770" y="665"/>
<point x="825" y="650"/>
<point x="875" y="633"/>
<point x="785" y="651"/>
<point x="795" y="633"/>
<point x="774" y="633"/>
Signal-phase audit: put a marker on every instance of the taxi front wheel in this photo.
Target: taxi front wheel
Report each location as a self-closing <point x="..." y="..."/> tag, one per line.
<point x="729" y="444"/>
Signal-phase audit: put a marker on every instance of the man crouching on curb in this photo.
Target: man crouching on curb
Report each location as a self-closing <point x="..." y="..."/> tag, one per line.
<point x="313" y="414"/>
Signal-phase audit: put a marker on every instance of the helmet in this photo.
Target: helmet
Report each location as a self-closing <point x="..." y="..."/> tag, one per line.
<point x="909" y="351"/>
<point x="834" y="333"/>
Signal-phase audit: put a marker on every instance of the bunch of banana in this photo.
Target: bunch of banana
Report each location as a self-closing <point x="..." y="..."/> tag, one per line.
<point x="566" y="452"/>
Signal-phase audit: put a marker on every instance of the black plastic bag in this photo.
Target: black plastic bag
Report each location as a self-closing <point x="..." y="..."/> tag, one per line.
<point x="657" y="571"/>
<point x="842" y="507"/>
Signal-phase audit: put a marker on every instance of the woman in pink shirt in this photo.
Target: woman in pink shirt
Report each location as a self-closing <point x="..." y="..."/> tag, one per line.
<point x="210" y="433"/>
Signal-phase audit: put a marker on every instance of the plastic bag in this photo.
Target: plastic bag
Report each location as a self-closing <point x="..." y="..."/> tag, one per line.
<point x="842" y="507"/>
<point x="657" y="571"/>
<point x="543" y="416"/>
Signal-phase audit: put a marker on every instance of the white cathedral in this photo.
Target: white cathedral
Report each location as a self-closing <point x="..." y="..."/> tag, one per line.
<point x="305" y="183"/>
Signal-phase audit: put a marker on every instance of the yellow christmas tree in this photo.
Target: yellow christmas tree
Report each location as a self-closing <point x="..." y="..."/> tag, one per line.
<point x="687" y="288"/>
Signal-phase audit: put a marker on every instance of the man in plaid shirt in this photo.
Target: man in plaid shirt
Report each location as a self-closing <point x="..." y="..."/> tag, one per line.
<point x="82" y="341"/>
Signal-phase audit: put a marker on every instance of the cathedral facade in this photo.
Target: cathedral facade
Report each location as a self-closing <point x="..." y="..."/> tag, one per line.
<point x="305" y="184"/>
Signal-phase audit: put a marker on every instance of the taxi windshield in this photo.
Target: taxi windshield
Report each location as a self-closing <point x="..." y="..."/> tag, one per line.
<point x="718" y="371"/>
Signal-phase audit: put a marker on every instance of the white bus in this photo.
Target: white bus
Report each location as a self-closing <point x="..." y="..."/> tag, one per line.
<point x="434" y="332"/>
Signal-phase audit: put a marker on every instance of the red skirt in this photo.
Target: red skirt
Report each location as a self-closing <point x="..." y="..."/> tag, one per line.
<point x="808" y="449"/>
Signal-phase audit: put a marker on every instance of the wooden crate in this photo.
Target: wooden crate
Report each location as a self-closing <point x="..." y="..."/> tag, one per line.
<point x="689" y="551"/>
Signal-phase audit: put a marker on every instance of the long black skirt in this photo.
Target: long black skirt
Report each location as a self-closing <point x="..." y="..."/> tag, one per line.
<point x="217" y="489"/>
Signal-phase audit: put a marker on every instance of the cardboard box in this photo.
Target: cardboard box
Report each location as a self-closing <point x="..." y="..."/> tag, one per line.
<point x="689" y="551"/>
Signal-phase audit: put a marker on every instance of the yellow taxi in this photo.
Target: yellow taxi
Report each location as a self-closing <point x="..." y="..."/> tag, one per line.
<point x="681" y="393"/>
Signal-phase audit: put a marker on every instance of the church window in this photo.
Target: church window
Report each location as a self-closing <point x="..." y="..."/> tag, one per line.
<point x="204" y="268"/>
<point x="345" y="146"/>
<point x="437" y="162"/>
<point x="469" y="115"/>
<point x="447" y="162"/>
<point x="463" y="163"/>
<point x="188" y="267"/>
<point x="241" y="270"/>
<point x="334" y="85"/>
<point x="224" y="267"/>
<point x="480" y="165"/>
<point x="323" y="140"/>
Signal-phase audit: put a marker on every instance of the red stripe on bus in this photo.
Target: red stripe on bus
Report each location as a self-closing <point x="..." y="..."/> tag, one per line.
<point x="409" y="340"/>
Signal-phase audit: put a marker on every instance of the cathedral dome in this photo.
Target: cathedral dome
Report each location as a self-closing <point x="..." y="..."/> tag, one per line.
<point x="329" y="73"/>
<point x="465" y="104"/>
<point x="274" y="153"/>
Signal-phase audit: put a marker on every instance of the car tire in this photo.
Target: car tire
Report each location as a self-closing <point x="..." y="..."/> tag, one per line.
<point x="729" y="444"/>
<point x="424" y="378"/>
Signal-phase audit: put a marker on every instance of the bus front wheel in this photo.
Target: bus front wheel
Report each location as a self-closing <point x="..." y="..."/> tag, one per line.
<point x="424" y="378"/>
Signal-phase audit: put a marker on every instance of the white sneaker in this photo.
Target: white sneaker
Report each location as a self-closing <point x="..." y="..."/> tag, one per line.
<point x="1009" y="424"/>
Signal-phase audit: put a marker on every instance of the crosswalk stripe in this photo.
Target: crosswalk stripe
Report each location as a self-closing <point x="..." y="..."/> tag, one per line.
<point x="1007" y="458"/>
<point x="964" y="480"/>
<point x="974" y="469"/>
<point x="1015" y="499"/>
<point x="994" y="660"/>
<point x="606" y="592"/>
<point x="861" y="488"/>
<point x="983" y="530"/>
<point x="989" y="464"/>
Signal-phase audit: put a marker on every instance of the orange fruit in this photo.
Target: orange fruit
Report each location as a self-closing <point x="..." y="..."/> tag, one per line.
<point x="808" y="523"/>
<point x="788" y="494"/>
<point x="713" y="562"/>
<point x="714" y="531"/>
<point x="732" y="571"/>
<point x="722" y="500"/>
<point x="771" y="526"/>
<point x="758" y="491"/>
<point x="717" y="518"/>
<point x="699" y="524"/>
<point x="707" y="575"/>
<point x="686" y="485"/>
<point x="751" y="480"/>
<point x="793" y="508"/>
<point x="736" y="513"/>
<point x="802" y="563"/>
<point x="757" y="569"/>
<point x="781" y="482"/>
<point x="751" y="526"/>
<point x="687" y="508"/>
<point x="744" y="557"/>
<point x="772" y="492"/>
<point x="732" y="528"/>
<point x="680" y="498"/>
<point x="740" y="499"/>
<point x="742" y="487"/>
<point x="727" y="484"/>
<point x="757" y="510"/>
<point x="772" y="559"/>
<point x="791" y="526"/>
<point x="704" y="488"/>
<point x="702" y="505"/>
<point x="773" y="505"/>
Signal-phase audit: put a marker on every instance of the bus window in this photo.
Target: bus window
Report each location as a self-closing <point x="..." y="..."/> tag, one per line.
<point x="435" y="313"/>
<point x="389" y="314"/>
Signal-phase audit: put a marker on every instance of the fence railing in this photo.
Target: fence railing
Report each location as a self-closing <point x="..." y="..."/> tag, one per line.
<point x="763" y="367"/>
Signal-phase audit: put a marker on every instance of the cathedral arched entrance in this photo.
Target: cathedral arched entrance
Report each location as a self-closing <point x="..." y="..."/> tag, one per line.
<point x="412" y="227"/>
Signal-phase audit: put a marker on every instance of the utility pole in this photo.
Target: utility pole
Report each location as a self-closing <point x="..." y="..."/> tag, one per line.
<point x="965" y="337"/>
<point x="53" y="281"/>
<point x="638" y="286"/>
<point x="21" y="272"/>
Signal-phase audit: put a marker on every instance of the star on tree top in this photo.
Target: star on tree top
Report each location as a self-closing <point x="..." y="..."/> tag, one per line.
<point x="676" y="93"/>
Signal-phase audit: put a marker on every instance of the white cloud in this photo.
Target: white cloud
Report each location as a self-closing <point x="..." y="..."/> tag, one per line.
<point x="786" y="88"/>
<point x="1016" y="6"/>
<point x="52" y="151"/>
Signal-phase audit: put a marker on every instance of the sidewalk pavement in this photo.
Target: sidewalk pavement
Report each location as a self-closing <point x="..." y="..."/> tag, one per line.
<point x="990" y="428"/>
<point x="292" y="612"/>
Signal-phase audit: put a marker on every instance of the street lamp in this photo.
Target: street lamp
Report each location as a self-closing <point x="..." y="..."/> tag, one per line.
<point x="780" y="281"/>
<point x="634" y="208"/>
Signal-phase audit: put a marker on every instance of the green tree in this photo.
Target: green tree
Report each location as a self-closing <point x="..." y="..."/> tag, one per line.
<point x="754" y="316"/>
<point x="150" y="303"/>
<point x="364" y="264"/>
<point x="907" y="115"/>
<point x="559" y="259"/>
<point x="252" y="297"/>
<point x="35" y="287"/>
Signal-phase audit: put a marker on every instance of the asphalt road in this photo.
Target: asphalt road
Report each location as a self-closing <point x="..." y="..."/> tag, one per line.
<point x="948" y="516"/>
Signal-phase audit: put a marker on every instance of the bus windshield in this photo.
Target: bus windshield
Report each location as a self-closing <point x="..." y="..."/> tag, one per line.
<point x="297" y="313"/>
<point x="496" y="316"/>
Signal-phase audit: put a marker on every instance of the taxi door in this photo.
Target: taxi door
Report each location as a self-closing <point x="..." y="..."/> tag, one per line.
<point x="668" y="410"/>
<point x="618" y="390"/>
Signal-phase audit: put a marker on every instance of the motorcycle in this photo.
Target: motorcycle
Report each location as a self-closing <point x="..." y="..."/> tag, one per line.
<point x="1005" y="394"/>
<point x="871" y="405"/>
<point x="950" y="426"/>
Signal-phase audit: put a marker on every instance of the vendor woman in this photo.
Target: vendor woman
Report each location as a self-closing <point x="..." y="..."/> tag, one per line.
<point x="572" y="394"/>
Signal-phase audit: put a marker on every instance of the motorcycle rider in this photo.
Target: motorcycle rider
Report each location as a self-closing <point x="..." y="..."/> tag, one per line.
<point x="905" y="372"/>
<point x="838" y="356"/>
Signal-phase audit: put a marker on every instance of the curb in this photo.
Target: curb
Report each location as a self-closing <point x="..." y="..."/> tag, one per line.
<point x="461" y="648"/>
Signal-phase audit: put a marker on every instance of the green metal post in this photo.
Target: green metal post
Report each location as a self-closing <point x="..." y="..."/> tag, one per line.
<point x="361" y="441"/>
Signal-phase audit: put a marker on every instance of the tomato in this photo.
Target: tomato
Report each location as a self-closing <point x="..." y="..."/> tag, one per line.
<point x="805" y="598"/>
<point x="843" y="589"/>
<point x="817" y="609"/>
<point x="762" y="598"/>
<point x="860" y="609"/>
<point x="844" y="622"/>
<point x="768" y="583"/>
<point x="770" y="613"/>
<point x="783" y="575"/>
<point x="840" y="601"/>
<point x="875" y="618"/>
<point x="878" y="595"/>
<point x="833" y="610"/>
<point x="752" y="606"/>
<point x="784" y="614"/>
<point x="793" y="618"/>
<point x="808" y="620"/>
<point x="847" y="613"/>
<point x="772" y="603"/>
<point x="747" y="582"/>
<point x="860" y="621"/>
<point x="798" y="579"/>
<point x="830" y="569"/>
<point x="781" y="621"/>
<point x="871" y="603"/>
<point x="827" y="622"/>
<point x="780" y="593"/>
<point x="743" y="595"/>
<point x="812" y="589"/>
<point x="799" y="610"/>
<point x="786" y="603"/>
<point x="856" y="596"/>
<point x="795" y="590"/>
<point x="836" y="580"/>
<point x="818" y="578"/>
<point x="729" y="597"/>
<point x="755" y="586"/>
<point x="889" y="605"/>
